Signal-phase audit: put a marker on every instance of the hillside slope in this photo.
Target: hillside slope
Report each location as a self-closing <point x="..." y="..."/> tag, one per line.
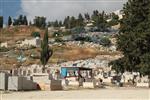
<point x="17" y="32"/>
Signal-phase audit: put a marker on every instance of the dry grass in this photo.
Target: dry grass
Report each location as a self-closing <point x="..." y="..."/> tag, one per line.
<point x="17" y="32"/>
<point x="72" y="53"/>
<point x="60" y="54"/>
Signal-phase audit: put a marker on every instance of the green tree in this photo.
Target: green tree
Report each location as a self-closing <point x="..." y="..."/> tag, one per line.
<point x="30" y="23"/>
<point x="16" y="22"/>
<point x="40" y="22"/>
<point x="49" y="24"/>
<point x="87" y="16"/>
<point x="1" y="21"/>
<point x="25" y="21"/>
<point x="73" y="22"/>
<point x="100" y="21"/>
<point x="67" y="22"/>
<point x="35" y="34"/>
<point x="95" y="15"/>
<point x="46" y="52"/>
<point x="20" y="20"/>
<point x="134" y="38"/>
<point x="114" y="19"/>
<point x="9" y="21"/>
<point x="80" y="21"/>
<point x="105" y="41"/>
<point x="118" y="65"/>
<point x="60" y="23"/>
<point x="56" y="24"/>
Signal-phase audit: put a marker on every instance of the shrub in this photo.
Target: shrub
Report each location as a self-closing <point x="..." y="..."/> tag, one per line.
<point x="78" y="30"/>
<point x="66" y="33"/>
<point x="3" y="49"/>
<point x="105" y="41"/>
<point x="80" y="38"/>
<point x="58" y="39"/>
<point x="35" y="34"/>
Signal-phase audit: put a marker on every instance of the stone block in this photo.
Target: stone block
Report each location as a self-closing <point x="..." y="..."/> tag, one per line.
<point x="20" y="83"/>
<point x="43" y="86"/>
<point x="55" y="85"/>
<point x="3" y="81"/>
<point x="74" y="83"/>
<point x="89" y="85"/>
<point x="143" y="85"/>
<point x="41" y="78"/>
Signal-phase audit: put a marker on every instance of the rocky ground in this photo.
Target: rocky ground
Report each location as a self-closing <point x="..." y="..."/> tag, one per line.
<point x="71" y="51"/>
<point x="62" y="51"/>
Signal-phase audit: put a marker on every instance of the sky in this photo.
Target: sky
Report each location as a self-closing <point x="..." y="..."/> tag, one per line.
<point x="56" y="9"/>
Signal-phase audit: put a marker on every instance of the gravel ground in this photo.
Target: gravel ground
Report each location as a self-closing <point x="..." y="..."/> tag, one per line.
<point x="98" y="94"/>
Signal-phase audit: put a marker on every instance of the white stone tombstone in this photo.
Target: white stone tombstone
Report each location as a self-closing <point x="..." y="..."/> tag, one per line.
<point x="19" y="71"/>
<point x="28" y="72"/>
<point x="34" y="70"/>
<point x="15" y="72"/>
<point x="24" y="73"/>
<point x="3" y="81"/>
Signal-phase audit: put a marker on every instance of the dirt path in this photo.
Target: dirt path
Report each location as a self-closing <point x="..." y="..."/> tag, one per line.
<point x="100" y="94"/>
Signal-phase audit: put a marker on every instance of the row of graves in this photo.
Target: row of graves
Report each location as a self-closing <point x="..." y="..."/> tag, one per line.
<point x="63" y="78"/>
<point x="126" y="79"/>
<point x="30" y="78"/>
<point x="53" y="79"/>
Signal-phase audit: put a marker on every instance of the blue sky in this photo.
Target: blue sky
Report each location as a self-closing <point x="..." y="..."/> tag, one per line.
<point x="55" y="9"/>
<point x="10" y="8"/>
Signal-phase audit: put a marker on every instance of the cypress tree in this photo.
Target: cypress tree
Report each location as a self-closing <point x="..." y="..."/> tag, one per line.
<point x="67" y="22"/>
<point x="60" y="23"/>
<point x="87" y="16"/>
<point x="56" y="24"/>
<point x="46" y="52"/>
<point x="9" y="21"/>
<point x="95" y="15"/>
<point x="30" y="23"/>
<point x="25" y="21"/>
<point x="73" y="22"/>
<point x="80" y="22"/>
<point x="20" y="20"/>
<point x="1" y="21"/>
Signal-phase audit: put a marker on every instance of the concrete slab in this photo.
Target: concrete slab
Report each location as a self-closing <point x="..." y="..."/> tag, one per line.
<point x="143" y="85"/>
<point x="18" y="83"/>
<point x="3" y="81"/>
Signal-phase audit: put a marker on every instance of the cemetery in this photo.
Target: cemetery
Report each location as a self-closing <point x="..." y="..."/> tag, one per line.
<point x="74" y="75"/>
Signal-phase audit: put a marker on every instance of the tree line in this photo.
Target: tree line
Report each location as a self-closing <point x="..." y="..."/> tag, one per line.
<point x="99" y="20"/>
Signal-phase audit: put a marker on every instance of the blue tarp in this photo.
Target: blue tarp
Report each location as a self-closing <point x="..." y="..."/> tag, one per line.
<point x="63" y="72"/>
